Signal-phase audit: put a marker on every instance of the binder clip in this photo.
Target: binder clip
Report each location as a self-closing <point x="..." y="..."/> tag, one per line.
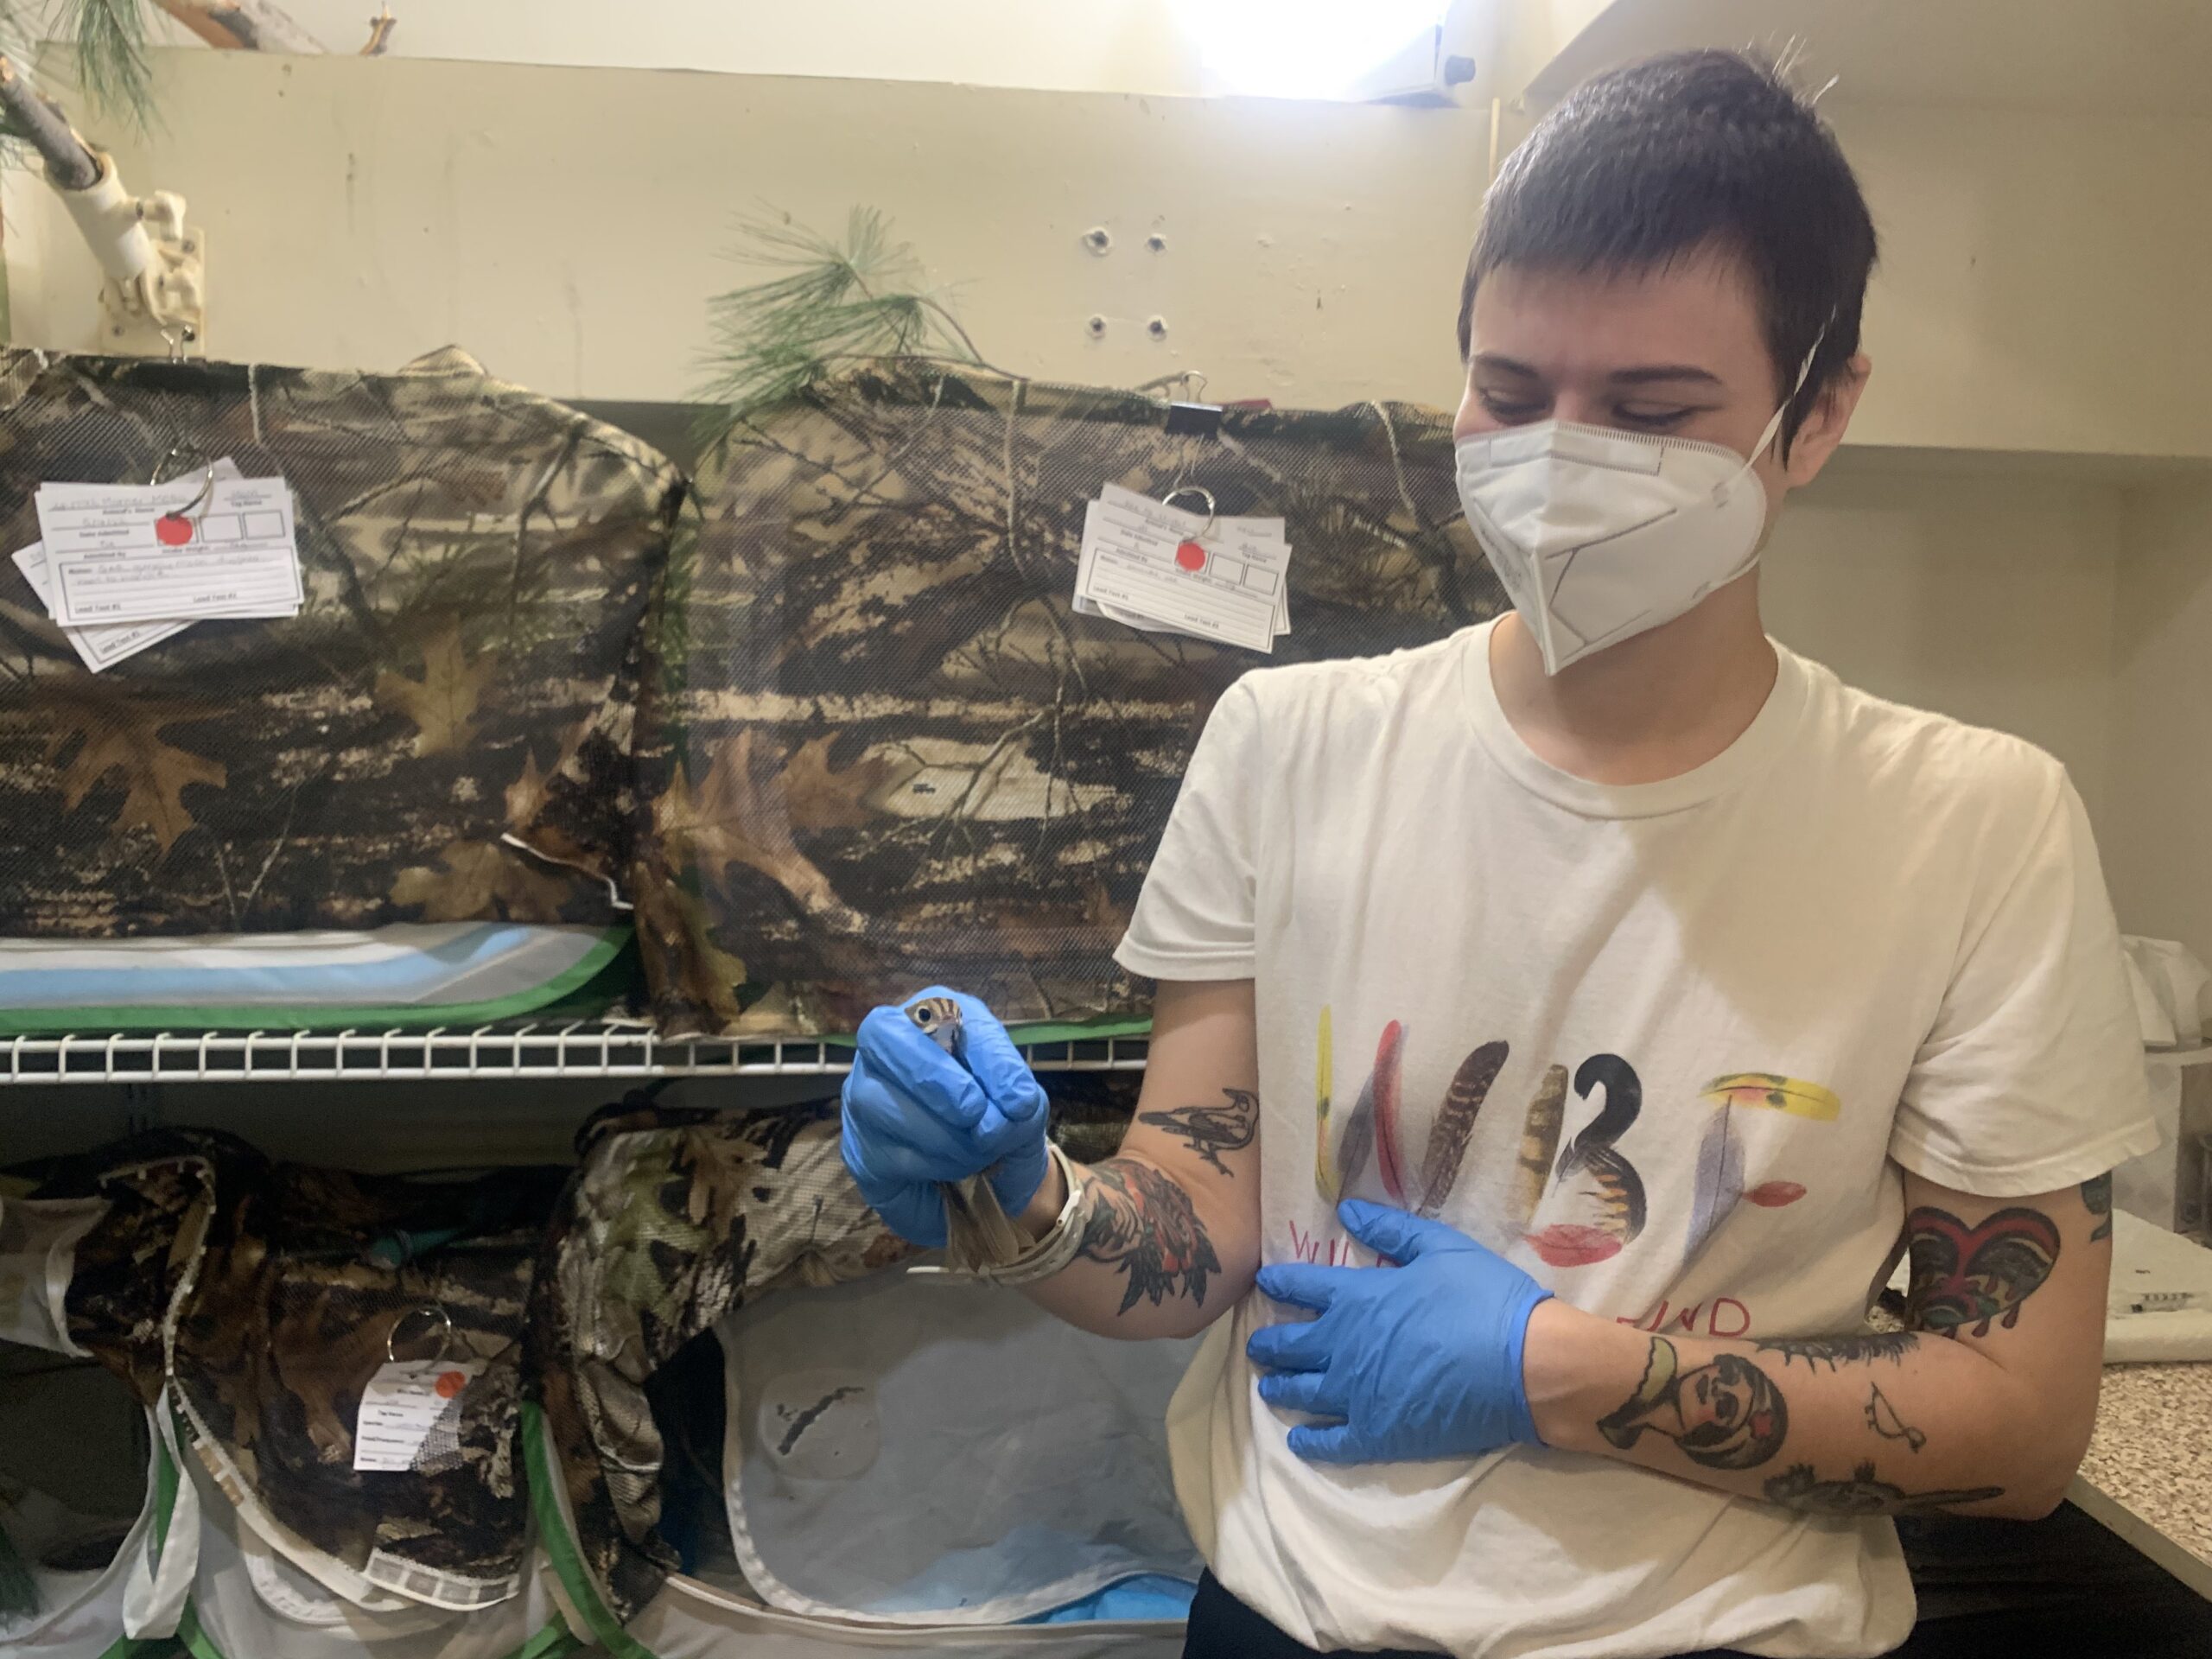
<point x="1193" y="420"/>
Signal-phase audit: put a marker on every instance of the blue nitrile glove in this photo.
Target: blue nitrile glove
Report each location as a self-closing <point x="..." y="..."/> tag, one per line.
<point x="914" y="1116"/>
<point x="1418" y="1362"/>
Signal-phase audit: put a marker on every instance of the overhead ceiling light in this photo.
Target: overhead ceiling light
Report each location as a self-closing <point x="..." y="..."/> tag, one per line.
<point x="1315" y="48"/>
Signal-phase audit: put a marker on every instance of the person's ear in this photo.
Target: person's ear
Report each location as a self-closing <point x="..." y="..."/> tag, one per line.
<point x="1826" y="423"/>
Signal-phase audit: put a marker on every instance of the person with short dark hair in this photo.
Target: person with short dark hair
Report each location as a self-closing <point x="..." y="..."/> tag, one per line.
<point x="1699" y="154"/>
<point x="1563" y="1029"/>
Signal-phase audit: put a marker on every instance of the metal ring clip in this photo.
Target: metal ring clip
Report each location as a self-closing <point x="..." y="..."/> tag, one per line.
<point x="1206" y="495"/>
<point x="160" y="474"/>
<point x="446" y="1334"/>
<point x="198" y="502"/>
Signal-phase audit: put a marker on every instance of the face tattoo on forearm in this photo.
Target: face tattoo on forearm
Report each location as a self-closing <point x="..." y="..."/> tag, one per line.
<point x="1726" y="1414"/>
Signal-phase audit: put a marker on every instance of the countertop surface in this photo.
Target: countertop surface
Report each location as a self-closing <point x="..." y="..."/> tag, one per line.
<point x="2148" y="1474"/>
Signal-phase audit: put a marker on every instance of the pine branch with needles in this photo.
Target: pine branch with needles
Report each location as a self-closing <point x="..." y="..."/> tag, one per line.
<point x="111" y="41"/>
<point x="831" y="302"/>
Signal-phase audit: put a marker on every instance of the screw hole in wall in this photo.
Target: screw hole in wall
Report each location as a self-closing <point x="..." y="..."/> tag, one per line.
<point x="1097" y="327"/>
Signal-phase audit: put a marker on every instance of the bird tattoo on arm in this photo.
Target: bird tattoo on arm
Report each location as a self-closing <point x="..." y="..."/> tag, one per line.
<point x="1213" y="1130"/>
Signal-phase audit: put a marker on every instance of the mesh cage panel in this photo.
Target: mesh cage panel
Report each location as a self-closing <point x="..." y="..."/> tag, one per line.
<point x="676" y="1216"/>
<point x="877" y="746"/>
<point x="476" y="561"/>
<point x="314" y="1273"/>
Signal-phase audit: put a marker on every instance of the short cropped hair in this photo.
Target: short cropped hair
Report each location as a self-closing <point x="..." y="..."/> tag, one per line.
<point x="1679" y="156"/>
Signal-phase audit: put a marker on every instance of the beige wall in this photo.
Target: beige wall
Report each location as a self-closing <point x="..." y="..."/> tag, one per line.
<point x="1987" y="597"/>
<point x="570" y="225"/>
<point x="2042" y="281"/>
<point x="2160" y="861"/>
<point x="1098" y="46"/>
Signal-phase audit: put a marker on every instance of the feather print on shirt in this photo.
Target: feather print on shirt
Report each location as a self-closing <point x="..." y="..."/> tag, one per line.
<point x="1618" y="1216"/>
<point x="1791" y="1095"/>
<point x="1324" y="1177"/>
<point x="1363" y="1141"/>
<point x="1719" y="1181"/>
<point x="1539" y="1141"/>
<point x="1721" y="1154"/>
<point x="1455" y="1123"/>
<point x="1358" y="1140"/>
<point x="1388" y="1054"/>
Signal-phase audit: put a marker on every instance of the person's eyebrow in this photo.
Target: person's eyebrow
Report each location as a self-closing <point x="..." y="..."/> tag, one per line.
<point x="1505" y="365"/>
<point x="1659" y="372"/>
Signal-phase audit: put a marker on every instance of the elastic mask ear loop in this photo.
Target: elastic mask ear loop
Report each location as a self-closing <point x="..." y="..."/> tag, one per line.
<point x="1773" y="427"/>
<point x="1773" y="430"/>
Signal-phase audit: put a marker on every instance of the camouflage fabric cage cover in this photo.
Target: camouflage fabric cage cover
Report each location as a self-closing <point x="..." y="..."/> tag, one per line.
<point x="676" y="1217"/>
<point x="289" y="1320"/>
<point x="875" y="744"/>
<point x="477" y="559"/>
<point x="264" y="1283"/>
<point x="132" y="1273"/>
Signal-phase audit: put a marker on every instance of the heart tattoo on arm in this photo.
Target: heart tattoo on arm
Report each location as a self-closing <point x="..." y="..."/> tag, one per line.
<point x="1966" y="1278"/>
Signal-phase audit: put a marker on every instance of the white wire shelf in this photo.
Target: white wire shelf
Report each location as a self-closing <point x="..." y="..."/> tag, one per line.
<point x="582" y="1049"/>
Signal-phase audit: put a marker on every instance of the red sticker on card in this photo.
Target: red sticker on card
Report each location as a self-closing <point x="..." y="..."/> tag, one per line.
<point x="173" y="529"/>
<point x="450" y="1383"/>
<point x="1190" y="557"/>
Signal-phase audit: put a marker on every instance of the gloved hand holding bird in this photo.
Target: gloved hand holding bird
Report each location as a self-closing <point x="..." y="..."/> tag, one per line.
<point x="944" y="1127"/>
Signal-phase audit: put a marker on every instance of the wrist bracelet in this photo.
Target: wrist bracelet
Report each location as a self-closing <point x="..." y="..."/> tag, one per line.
<point x="1061" y="1241"/>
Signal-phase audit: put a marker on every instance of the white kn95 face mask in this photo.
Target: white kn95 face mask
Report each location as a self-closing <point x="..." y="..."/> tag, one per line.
<point x="1599" y="534"/>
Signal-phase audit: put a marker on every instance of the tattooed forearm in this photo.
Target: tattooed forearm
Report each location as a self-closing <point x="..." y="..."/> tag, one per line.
<point x="1882" y="1417"/>
<point x="1832" y="1351"/>
<point x="1212" y="1130"/>
<point x="1798" y="1488"/>
<point x="1963" y="1277"/>
<point x="1726" y="1414"/>
<point x="2096" y="1193"/>
<point x="1142" y="1223"/>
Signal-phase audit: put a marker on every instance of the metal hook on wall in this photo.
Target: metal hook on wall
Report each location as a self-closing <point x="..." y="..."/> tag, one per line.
<point x="1192" y="381"/>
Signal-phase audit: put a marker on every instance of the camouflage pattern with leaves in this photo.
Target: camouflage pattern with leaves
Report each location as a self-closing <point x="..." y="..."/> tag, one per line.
<point x="677" y="1216"/>
<point x="292" y="1315"/>
<point x="477" y="560"/>
<point x="876" y="747"/>
<point x="278" y="1308"/>
<point x="166" y="1191"/>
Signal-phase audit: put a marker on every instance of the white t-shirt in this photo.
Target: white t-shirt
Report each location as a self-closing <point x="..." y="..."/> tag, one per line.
<point x="1736" y="1006"/>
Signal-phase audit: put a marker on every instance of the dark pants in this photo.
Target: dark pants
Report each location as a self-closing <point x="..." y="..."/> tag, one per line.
<point x="1223" y="1627"/>
<point x="2063" y="1586"/>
